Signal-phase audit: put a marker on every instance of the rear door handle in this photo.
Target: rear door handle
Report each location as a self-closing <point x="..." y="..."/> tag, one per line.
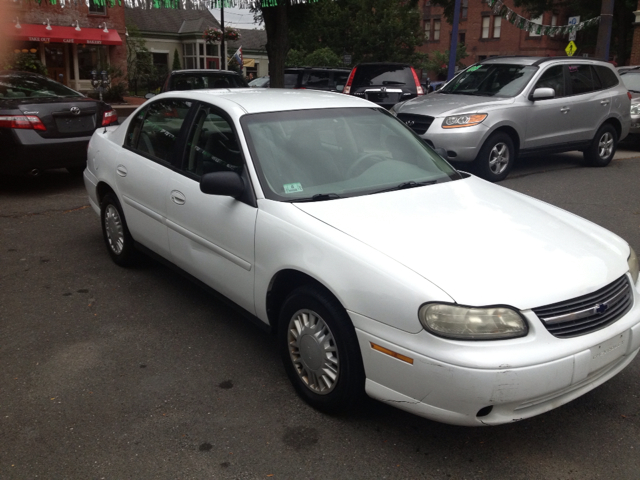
<point x="121" y="170"/>
<point x="604" y="102"/>
<point x="178" y="197"/>
<point x="565" y="109"/>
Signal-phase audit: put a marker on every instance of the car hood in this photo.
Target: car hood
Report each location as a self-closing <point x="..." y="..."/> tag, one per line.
<point x="436" y="104"/>
<point x="482" y="244"/>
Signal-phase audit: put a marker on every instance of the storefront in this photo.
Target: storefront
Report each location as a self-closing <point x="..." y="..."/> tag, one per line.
<point x="69" y="53"/>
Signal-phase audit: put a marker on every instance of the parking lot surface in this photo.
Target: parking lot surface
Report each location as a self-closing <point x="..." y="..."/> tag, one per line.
<point x="137" y="373"/>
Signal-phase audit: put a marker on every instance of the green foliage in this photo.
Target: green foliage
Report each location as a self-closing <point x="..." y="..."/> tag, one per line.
<point x="323" y="57"/>
<point x="438" y="62"/>
<point x="25" y="62"/>
<point x="369" y="30"/>
<point x="139" y="59"/>
<point x="176" y="61"/>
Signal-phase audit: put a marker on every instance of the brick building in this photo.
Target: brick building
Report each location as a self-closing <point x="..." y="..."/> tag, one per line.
<point x="487" y="35"/>
<point x="635" y="46"/>
<point x="71" y="39"/>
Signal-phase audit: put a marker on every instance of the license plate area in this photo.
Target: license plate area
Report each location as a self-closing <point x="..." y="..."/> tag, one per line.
<point x="81" y="124"/>
<point x="609" y="351"/>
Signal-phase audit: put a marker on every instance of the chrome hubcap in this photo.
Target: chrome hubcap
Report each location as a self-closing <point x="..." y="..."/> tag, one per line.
<point x="499" y="158"/>
<point x="113" y="228"/>
<point x="313" y="351"/>
<point x="605" y="145"/>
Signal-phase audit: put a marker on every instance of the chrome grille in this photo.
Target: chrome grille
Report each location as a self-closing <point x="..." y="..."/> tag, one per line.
<point x="418" y="123"/>
<point x="588" y="313"/>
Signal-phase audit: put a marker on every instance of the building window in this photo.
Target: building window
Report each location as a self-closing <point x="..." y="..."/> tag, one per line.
<point x="538" y="21"/>
<point x="96" y="9"/>
<point x="554" y="20"/>
<point x="190" y="55"/>
<point x="464" y="8"/>
<point x="461" y="38"/>
<point x="486" y="24"/>
<point x="497" y="23"/>
<point x="427" y="30"/>
<point x="436" y="30"/>
<point x="92" y="57"/>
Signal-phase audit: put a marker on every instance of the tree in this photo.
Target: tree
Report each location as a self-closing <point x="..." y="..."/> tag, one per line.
<point x="176" y="61"/>
<point x="322" y="57"/>
<point x="438" y="62"/>
<point x="139" y="59"/>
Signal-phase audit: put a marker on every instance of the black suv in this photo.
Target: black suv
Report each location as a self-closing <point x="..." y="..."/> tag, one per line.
<point x="201" y="79"/>
<point x="316" y="78"/>
<point x="384" y="83"/>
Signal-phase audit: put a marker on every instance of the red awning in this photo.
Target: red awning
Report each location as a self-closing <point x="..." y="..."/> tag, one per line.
<point x="58" y="34"/>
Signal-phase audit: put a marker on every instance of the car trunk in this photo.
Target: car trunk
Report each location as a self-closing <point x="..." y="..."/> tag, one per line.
<point x="66" y="118"/>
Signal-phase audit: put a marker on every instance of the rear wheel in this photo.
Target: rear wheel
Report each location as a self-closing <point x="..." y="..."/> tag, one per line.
<point x="320" y="350"/>
<point x="496" y="157"/>
<point x="603" y="147"/>
<point x="115" y="232"/>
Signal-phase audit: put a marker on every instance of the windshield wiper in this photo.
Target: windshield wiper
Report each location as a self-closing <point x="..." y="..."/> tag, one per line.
<point x="319" y="197"/>
<point x="406" y="185"/>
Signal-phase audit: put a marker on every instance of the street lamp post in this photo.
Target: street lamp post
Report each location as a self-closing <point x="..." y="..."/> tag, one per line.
<point x="453" y="49"/>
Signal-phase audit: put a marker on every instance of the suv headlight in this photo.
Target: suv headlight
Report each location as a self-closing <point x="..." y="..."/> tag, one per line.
<point x="469" y="323"/>
<point x="635" y="109"/>
<point x="459" y="121"/>
<point x="633" y="266"/>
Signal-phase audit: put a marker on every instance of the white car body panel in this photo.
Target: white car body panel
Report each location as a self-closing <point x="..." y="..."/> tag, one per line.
<point x="383" y="256"/>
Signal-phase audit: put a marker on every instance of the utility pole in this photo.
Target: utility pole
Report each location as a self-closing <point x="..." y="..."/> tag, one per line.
<point x="604" y="30"/>
<point x="223" y="49"/>
<point x="453" y="49"/>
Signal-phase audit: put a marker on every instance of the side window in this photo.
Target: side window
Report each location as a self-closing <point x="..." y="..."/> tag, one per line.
<point x="607" y="76"/>
<point x="581" y="79"/>
<point x="131" y="140"/>
<point x="155" y="132"/>
<point x="318" y="79"/>
<point x="212" y="145"/>
<point x="553" y="78"/>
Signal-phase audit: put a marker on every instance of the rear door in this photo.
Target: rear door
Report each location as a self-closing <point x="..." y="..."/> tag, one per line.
<point x="592" y="102"/>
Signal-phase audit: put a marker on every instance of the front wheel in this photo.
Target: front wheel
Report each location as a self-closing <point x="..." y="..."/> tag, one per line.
<point x="496" y="158"/>
<point x="115" y="232"/>
<point x="603" y="147"/>
<point x="320" y="350"/>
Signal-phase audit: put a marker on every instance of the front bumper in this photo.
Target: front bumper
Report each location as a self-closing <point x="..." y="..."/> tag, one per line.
<point x="491" y="383"/>
<point x="461" y="144"/>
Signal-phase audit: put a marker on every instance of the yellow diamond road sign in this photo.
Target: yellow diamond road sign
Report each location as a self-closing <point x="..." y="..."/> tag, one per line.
<point x="571" y="49"/>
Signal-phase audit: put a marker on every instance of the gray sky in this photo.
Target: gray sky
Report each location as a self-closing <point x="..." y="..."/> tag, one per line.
<point x="236" y="17"/>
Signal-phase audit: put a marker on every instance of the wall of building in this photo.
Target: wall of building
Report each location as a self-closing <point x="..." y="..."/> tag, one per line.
<point x="635" y="46"/>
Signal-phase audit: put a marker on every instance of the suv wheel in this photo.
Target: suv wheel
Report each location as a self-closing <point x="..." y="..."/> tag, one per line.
<point x="603" y="147"/>
<point x="496" y="157"/>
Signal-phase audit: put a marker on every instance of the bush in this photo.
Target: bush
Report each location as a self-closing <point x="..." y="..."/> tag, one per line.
<point x="25" y="62"/>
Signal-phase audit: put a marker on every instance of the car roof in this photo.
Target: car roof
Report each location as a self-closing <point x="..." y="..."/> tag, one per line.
<point x="524" y="60"/>
<point x="202" y="71"/>
<point x="261" y="100"/>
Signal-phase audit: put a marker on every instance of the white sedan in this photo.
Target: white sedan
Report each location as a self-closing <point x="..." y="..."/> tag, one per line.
<point x="381" y="269"/>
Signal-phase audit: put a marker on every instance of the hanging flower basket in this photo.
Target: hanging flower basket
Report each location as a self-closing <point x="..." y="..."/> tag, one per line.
<point x="214" y="35"/>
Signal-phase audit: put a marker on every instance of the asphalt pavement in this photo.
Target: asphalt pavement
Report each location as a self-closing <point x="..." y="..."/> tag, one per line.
<point x="112" y="373"/>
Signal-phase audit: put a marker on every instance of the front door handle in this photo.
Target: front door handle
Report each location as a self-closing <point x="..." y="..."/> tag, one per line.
<point x="565" y="109"/>
<point x="178" y="197"/>
<point x="604" y="102"/>
<point x="121" y="170"/>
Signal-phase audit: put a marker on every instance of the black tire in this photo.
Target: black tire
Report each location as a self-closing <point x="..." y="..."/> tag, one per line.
<point x="115" y="232"/>
<point x="496" y="158"/>
<point x="603" y="147"/>
<point x="319" y="316"/>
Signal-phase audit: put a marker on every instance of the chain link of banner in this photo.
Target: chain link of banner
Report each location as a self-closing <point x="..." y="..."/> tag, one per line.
<point x="499" y="8"/>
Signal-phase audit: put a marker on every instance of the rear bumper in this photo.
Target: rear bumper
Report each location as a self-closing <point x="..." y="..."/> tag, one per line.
<point x="26" y="151"/>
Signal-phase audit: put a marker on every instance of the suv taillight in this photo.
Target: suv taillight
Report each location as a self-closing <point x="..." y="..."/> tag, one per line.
<point x="109" y="117"/>
<point x="29" y="122"/>
<point x="347" y="87"/>
<point x="419" y="88"/>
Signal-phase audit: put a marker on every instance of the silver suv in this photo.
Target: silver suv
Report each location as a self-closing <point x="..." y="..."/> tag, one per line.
<point x="502" y="108"/>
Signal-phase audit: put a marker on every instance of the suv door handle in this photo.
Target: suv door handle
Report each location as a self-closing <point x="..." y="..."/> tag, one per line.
<point x="604" y="102"/>
<point x="565" y="109"/>
<point x="178" y="197"/>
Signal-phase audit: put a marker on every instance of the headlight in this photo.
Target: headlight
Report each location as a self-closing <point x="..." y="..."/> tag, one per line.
<point x="469" y="323"/>
<point x="459" y="121"/>
<point x="633" y="266"/>
<point x="635" y="109"/>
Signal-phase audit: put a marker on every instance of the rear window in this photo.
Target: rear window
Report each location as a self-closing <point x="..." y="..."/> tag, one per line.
<point x="607" y="76"/>
<point x="367" y="75"/>
<point x="290" y="80"/>
<point x="631" y="81"/>
<point x="17" y="85"/>
<point x="199" y="81"/>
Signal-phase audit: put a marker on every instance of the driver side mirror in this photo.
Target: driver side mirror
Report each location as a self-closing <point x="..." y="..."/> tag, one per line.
<point x="544" y="93"/>
<point x="228" y="184"/>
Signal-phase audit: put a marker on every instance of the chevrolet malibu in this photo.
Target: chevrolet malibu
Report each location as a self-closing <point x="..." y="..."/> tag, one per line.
<point x="331" y="224"/>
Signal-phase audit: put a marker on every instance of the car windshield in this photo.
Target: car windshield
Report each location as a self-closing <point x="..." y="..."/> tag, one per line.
<point x="631" y="80"/>
<point x="198" y="81"/>
<point x="367" y="75"/>
<point x="323" y="154"/>
<point x="20" y="85"/>
<point x="491" y="80"/>
<point x="259" y="82"/>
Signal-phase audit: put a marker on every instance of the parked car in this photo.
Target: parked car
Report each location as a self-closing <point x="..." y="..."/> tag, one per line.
<point x="631" y="79"/>
<point x="312" y="78"/>
<point x="502" y="108"/>
<point x="385" y="83"/>
<point x="333" y="225"/>
<point x="45" y="125"/>
<point x="200" y="79"/>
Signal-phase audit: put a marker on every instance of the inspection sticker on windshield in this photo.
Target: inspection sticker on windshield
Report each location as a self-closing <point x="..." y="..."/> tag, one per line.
<point x="292" y="187"/>
<point x="474" y="68"/>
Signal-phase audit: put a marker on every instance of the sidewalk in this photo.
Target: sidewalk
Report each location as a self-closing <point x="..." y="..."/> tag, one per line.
<point x="126" y="109"/>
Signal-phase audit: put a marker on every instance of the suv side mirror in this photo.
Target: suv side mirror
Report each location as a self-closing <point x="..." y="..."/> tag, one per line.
<point x="542" y="94"/>
<point x="229" y="184"/>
